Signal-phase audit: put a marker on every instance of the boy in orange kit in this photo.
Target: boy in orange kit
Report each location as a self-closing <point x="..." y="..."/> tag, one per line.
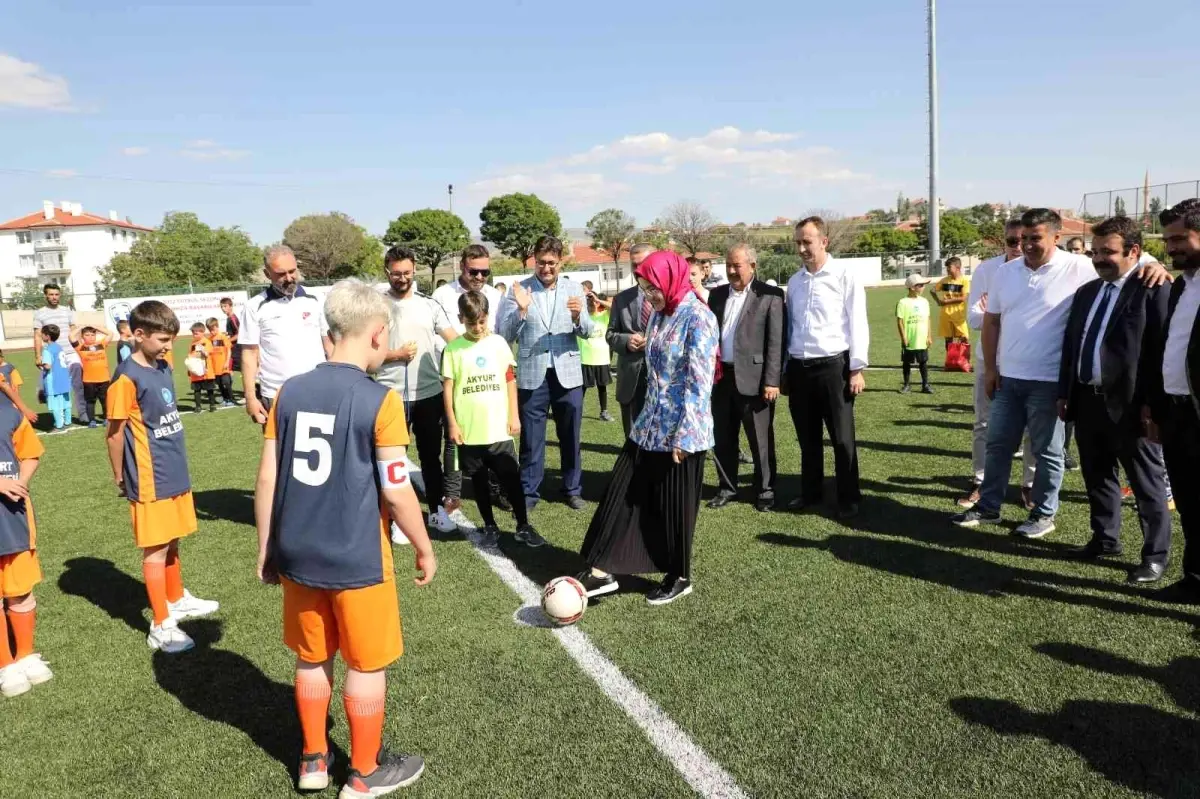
<point x="200" y="368"/>
<point x="92" y="346"/>
<point x="331" y="435"/>
<point x="221" y="360"/>
<point x="10" y="387"/>
<point x="20" y="571"/>
<point x="149" y="462"/>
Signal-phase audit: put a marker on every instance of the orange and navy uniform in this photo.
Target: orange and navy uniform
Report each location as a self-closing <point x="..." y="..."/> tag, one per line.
<point x="19" y="567"/>
<point x="329" y="523"/>
<point x="9" y="374"/>
<point x="155" y="468"/>
<point x="95" y="360"/>
<point x="201" y="348"/>
<point x="219" y="355"/>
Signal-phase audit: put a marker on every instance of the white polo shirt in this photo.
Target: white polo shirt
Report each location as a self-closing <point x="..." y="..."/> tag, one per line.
<point x="1179" y="336"/>
<point x="417" y="318"/>
<point x="1033" y="305"/>
<point x="447" y="297"/>
<point x="287" y="332"/>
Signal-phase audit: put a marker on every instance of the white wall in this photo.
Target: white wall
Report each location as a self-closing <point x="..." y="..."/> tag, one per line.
<point x="88" y="249"/>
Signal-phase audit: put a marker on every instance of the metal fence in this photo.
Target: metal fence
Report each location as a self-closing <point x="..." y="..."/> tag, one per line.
<point x="1141" y="202"/>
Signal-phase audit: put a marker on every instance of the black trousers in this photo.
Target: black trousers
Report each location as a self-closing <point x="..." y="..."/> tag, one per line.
<point x="1180" y="433"/>
<point x="225" y="384"/>
<point x="920" y="358"/>
<point x="1103" y="444"/>
<point x="732" y="413"/>
<point x="208" y="386"/>
<point x="93" y="392"/>
<point x="819" y="395"/>
<point x="632" y="409"/>
<point x="426" y="420"/>
<point x="487" y="462"/>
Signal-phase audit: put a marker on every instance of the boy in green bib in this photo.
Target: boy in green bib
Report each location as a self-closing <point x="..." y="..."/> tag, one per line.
<point x="912" y="320"/>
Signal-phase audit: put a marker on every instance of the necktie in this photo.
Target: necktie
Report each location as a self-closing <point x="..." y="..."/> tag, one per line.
<point x="644" y="319"/>
<point x="1093" y="334"/>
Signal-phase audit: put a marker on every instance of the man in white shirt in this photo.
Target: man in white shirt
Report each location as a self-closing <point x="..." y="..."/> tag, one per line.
<point x="976" y="308"/>
<point x="827" y="352"/>
<point x="1175" y="411"/>
<point x="419" y="328"/>
<point x="282" y="332"/>
<point x="55" y="313"/>
<point x="1029" y="301"/>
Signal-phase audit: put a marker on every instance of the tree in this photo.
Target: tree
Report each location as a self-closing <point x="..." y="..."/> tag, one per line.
<point x="885" y="242"/>
<point x="514" y="223"/>
<point x="689" y="224"/>
<point x="991" y="234"/>
<point x="903" y="207"/>
<point x="330" y="246"/>
<point x="957" y="234"/>
<point x="1119" y="207"/>
<point x="183" y="251"/>
<point x="881" y="215"/>
<point x="432" y="234"/>
<point x="1156" y="206"/>
<point x="841" y="231"/>
<point x="1156" y="248"/>
<point x="612" y="232"/>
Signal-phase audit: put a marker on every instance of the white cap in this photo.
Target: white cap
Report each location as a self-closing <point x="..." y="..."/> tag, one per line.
<point x="915" y="279"/>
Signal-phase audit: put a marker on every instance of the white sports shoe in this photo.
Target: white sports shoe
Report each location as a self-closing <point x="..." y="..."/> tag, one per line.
<point x="168" y="638"/>
<point x="460" y="520"/>
<point x="13" y="681"/>
<point x="442" y="522"/>
<point x="398" y="536"/>
<point x="36" y="670"/>
<point x="190" y="607"/>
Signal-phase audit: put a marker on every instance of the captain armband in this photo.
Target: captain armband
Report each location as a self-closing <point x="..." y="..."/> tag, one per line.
<point x="393" y="473"/>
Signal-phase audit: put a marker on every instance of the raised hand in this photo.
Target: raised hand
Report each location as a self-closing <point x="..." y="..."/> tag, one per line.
<point x="575" y="306"/>
<point x="521" y="297"/>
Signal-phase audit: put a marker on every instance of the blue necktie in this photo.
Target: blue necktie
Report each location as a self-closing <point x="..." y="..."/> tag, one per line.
<point x="1093" y="334"/>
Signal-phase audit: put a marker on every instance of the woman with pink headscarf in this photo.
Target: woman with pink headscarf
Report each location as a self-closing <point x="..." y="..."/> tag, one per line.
<point x="647" y="518"/>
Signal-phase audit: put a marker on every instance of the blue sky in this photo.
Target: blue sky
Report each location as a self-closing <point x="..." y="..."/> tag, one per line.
<point x="255" y="114"/>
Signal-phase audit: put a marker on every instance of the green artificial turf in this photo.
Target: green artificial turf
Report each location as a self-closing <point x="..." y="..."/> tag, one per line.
<point x="897" y="656"/>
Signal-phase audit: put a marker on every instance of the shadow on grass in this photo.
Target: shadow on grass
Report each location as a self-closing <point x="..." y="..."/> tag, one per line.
<point x="1180" y="678"/>
<point x="911" y="449"/>
<point x="225" y="687"/>
<point x="1147" y="750"/>
<point x="974" y="575"/>
<point x="225" y="504"/>
<point x="108" y="588"/>
<point x="942" y="423"/>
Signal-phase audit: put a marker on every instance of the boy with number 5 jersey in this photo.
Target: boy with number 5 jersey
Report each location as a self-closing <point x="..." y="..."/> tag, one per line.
<point x="332" y="477"/>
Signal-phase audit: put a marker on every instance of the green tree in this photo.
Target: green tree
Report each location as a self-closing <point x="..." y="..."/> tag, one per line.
<point x="1156" y="248"/>
<point x="432" y="234"/>
<point x="514" y="222"/>
<point x="1119" y="207"/>
<point x="957" y="234"/>
<point x="880" y="215"/>
<point x="331" y="246"/>
<point x="991" y="234"/>
<point x="659" y="239"/>
<point x="689" y="223"/>
<point x="612" y="232"/>
<point x="1156" y="206"/>
<point x="885" y="242"/>
<point x="183" y="251"/>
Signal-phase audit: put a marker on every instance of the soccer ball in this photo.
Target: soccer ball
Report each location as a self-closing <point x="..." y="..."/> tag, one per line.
<point x="564" y="600"/>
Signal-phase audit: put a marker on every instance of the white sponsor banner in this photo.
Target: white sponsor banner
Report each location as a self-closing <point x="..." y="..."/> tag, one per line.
<point x="190" y="308"/>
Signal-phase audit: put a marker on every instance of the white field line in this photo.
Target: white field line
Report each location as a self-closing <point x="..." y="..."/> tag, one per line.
<point x="700" y="771"/>
<point x="74" y="427"/>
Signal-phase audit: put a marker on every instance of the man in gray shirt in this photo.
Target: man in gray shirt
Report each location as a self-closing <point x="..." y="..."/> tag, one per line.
<point x="55" y="314"/>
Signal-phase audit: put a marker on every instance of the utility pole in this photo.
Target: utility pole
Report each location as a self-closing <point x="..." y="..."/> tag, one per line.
<point x="935" y="224"/>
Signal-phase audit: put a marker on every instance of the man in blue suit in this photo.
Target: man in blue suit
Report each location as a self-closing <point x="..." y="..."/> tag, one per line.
<point x="544" y="316"/>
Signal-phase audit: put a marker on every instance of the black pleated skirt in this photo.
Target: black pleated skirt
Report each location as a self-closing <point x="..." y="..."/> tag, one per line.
<point x="647" y="519"/>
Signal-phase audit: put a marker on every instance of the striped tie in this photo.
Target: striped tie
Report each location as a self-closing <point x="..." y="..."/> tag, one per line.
<point x="644" y="319"/>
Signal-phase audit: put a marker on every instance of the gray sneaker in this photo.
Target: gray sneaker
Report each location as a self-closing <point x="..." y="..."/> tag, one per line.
<point x="530" y="537"/>
<point x="1035" y="527"/>
<point x="395" y="771"/>
<point x="489" y="536"/>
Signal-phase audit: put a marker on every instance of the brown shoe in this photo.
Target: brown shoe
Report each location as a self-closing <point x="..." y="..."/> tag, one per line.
<point x="970" y="500"/>
<point x="1027" y="497"/>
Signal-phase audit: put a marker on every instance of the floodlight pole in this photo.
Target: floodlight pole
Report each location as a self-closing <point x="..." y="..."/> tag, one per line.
<point x="934" y="209"/>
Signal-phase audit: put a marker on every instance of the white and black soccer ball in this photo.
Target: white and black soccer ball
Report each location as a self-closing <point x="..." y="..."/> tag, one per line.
<point x="564" y="601"/>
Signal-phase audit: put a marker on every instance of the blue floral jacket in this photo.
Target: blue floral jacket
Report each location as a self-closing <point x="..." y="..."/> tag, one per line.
<point x="681" y="356"/>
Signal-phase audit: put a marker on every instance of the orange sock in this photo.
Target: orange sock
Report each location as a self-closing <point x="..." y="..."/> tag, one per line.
<point x="6" y="658"/>
<point x="174" y="578"/>
<point x="156" y="589"/>
<point x="22" y="627"/>
<point x="312" y="704"/>
<point x="365" y="714"/>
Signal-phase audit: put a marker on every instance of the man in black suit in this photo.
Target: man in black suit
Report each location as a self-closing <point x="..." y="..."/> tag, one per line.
<point x="1107" y="373"/>
<point x="1176" y="413"/>
<point x="626" y="335"/>
<point x="751" y="317"/>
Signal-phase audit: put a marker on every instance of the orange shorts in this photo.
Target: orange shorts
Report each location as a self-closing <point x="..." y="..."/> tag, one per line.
<point x="19" y="573"/>
<point x="162" y="521"/>
<point x="364" y="623"/>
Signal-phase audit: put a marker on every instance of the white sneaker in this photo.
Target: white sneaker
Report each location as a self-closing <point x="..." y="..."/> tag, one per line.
<point x="442" y="522"/>
<point x="36" y="670"/>
<point x="190" y="607"/>
<point x="398" y="536"/>
<point x="168" y="638"/>
<point x="460" y="520"/>
<point x="13" y="681"/>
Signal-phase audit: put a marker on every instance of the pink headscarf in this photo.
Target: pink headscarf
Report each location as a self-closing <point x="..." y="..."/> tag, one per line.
<point x="668" y="272"/>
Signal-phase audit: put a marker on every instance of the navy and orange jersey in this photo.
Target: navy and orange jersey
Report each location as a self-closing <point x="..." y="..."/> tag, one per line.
<point x="218" y="356"/>
<point x="10" y="374"/>
<point x="155" y="461"/>
<point x="328" y="522"/>
<point x="95" y="360"/>
<point x="18" y="443"/>
<point x="201" y="348"/>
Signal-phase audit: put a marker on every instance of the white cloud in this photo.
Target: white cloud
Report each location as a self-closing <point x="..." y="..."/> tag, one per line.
<point x="209" y="150"/>
<point x="134" y="151"/>
<point x="576" y="190"/>
<point x="27" y="85"/>
<point x="61" y="173"/>
<point x="644" y="168"/>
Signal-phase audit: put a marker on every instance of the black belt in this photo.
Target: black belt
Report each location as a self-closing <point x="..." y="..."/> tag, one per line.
<point x="809" y="363"/>
<point x="1088" y="388"/>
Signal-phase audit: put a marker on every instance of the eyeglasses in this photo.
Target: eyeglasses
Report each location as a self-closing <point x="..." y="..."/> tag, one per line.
<point x="648" y="288"/>
<point x="479" y="272"/>
<point x="1013" y="242"/>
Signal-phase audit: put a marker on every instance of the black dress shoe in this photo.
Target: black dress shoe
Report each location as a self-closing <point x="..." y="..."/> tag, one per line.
<point x="799" y="505"/>
<point x="1148" y="572"/>
<point x="672" y="588"/>
<point x="848" y="511"/>
<point x="576" y="503"/>
<point x="720" y="501"/>
<point x="1094" y="549"/>
<point x="764" y="504"/>
<point x="1184" y="592"/>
